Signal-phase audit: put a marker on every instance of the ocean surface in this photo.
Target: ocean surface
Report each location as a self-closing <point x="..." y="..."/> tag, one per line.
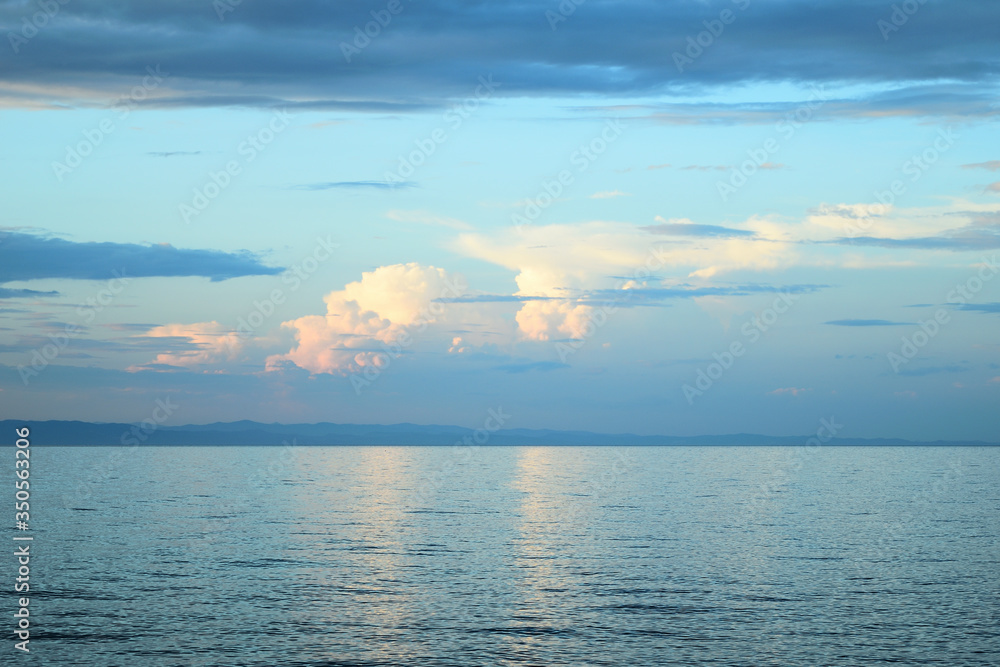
<point x="431" y="556"/>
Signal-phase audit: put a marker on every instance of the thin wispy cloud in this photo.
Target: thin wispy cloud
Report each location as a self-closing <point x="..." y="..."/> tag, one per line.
<point x="542" y="366"/>
<point x="354" y="185"/>
<point x="677" y="228"/>
<point x="172" y="153"/>
<point x="707" y="167"/>
<point x="992" y="308"/>
<point x="990" y="165"/>
<point x="8" y="293"/>
<point x="609" y="194"/>
<point x="866" y="323"/>
<point x="789" y="391"/>
<point x="638" y="296"/>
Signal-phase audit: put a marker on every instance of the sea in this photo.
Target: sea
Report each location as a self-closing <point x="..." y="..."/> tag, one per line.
<point x="465" y="556"/>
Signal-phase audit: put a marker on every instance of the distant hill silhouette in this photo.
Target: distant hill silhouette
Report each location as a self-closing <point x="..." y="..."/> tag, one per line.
<point x="325" y="433"/>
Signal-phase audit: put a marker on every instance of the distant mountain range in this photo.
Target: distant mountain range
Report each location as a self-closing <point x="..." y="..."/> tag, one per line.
<point x="324" y="433"/>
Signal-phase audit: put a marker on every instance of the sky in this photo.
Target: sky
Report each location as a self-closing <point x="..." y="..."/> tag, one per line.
<point x="668" y="218"/>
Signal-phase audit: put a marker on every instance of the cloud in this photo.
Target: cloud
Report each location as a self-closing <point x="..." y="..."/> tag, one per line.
<point x="960" y="100"/>
<point x="727" y="167"/>
<point x="957" y="227"/>
<point x="200" y="343"/>
<point x="993" y="187"/>
<point x="291" y="55"/>
<point x="553" y="320"/>
<point x="651" y="167"/>
<point x="30" y="257"/>
<point x="866" y="323"/>
<point x="427" y="218"/>
<point x="993" y="308"/>
<point x="933" y="370"/>
<point x="991" y="165"/>
<point x="609" y="194"/>
<point x="7" y="293"/>
<point x="634" y="295"/>
<point x="131" y="326"/>
<point x="355" y="185"/>
<point x="532" y="366"/>
<point x="385" y="308"/>
<point x="172" y="153"/>
<point x="573" y="263"/>
<point x="971" y="240"/>
<point x="684" y="227"/>
<point x="707" y="167"/>
<point x="794" y="391"/>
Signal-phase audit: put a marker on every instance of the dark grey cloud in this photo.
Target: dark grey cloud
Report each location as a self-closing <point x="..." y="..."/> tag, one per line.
<point x="981" y="307"/>
<point x="711" y="231"/>
<point x="274" y="102"/>
<point x="866" y="323"/>
<point x="351" y="185"/>
<point x="30" y="257"/>
<point x="434" y="51"/>
<point x="8" y="293"/>
<point x="131" y="326"/>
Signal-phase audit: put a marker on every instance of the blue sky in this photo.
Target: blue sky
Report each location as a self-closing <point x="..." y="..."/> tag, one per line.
<point x="677" y="218"/>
